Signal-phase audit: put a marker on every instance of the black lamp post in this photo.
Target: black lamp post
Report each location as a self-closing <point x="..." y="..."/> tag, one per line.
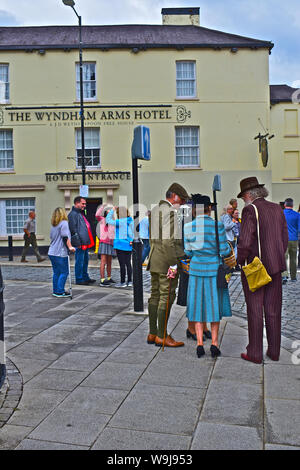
<point x="71" y="4"/>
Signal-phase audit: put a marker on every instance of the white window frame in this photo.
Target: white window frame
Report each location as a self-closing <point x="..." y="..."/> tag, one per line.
<point x="77" y="72"/>
<point x="187" y="146"/>
<point x="181" y="80"/>
<point x="88" y="148"/>
<point x="22" y="212"/>
<point x="7" y="149"/>
<point x="4" y="85"/>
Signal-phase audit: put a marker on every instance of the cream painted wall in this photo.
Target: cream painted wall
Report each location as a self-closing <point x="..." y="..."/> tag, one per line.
<point x="281" y="149"/>
<point x="232" y="96"/>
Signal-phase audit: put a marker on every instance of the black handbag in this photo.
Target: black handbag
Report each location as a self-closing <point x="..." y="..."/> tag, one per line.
<point x="223" y="269"/>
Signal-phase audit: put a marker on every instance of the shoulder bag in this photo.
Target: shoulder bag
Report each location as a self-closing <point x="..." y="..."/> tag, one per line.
<point x="223" y="269"/>
<point x="255" y="272"/>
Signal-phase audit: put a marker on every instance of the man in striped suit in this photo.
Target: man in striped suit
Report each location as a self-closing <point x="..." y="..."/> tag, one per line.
<point x="274" y="242"/>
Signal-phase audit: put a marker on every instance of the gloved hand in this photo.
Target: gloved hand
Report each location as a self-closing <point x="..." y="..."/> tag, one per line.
<point x="172" y="271"/>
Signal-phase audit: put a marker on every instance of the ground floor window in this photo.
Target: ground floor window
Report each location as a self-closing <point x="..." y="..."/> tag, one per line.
<point x="13" y="213"/>
<point x="187" y="146"/>
<point x="91" y="148"/>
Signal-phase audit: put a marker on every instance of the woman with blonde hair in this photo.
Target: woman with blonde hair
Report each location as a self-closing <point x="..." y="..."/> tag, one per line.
<point x="60" y="243"/>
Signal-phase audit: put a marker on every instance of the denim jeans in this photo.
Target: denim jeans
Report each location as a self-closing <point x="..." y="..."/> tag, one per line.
<point x="146" y="249"/>
<point x="81" y="265"/>
<point x="60" y="273"/>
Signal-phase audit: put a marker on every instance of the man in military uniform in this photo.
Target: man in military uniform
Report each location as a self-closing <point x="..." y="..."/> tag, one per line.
<point x="166" y="251"/>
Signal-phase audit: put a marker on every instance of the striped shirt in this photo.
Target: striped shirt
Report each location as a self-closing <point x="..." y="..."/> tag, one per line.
<point x="201" y="246"/>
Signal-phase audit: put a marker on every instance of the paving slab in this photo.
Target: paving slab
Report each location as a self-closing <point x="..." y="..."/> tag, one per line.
<point x="73" y="427"/>
<point x="288" y="387"/>
<point x="113" y="375"/>
<point x="124" y="439"/>
<point x="228" y="368"/>
<point x="282" y="418"/>
<point x="33" y="444"/>
<point x="45" y="401"/>
<point x="57" y="379"/>
<point x="241" y="404"/>
<point x="176" y="409"/>
<point x="80" y="361"/>
<point x="211" y="436"/>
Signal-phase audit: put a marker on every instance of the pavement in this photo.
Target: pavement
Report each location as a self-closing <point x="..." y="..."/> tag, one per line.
<point x="80" y="374"/>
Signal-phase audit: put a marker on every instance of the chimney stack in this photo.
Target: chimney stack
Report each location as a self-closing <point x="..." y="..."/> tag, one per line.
<point x="181" y="16"/>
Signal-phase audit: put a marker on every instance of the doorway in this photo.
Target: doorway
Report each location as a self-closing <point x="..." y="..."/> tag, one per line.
<point x="91" y="208"/>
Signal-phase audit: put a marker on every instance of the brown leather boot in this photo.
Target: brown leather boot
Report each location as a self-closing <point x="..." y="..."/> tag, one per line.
<point x="151" y="339"/>
<point x="169" y="342"/>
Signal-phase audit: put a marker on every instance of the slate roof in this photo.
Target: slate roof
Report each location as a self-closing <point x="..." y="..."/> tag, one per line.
<point x="122" y="36"/>
<point x="281" y="93"/>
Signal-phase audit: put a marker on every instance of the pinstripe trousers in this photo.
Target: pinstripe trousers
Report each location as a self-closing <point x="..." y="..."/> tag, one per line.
<point x="266" y="300"/>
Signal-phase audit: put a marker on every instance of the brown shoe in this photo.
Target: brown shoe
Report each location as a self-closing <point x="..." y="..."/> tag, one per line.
<point x="151" y="339"/>
<point x="40" y="260"/>
<point x="169" y="342"/>
<point x="24" y="261"/>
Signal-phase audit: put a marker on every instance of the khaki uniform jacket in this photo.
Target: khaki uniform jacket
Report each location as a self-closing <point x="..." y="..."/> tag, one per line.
<point x="165" y="238"/>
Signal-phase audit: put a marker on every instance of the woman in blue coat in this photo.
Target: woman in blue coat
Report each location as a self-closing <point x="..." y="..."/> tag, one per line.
<point x="205" y="301"/>
<point x="120" y="218"/>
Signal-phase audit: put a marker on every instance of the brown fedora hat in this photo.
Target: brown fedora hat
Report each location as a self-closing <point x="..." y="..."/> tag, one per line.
<point x="249" y="183"/>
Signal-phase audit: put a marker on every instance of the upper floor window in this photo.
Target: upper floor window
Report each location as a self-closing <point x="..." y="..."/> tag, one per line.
<point x="6" y="150"/>
<point x="4" y="83"/>
<point x="187" y="146"/>
<point x="88" y="81"/>
<point x="91" y="147"/>
<point x="185" y="79"/>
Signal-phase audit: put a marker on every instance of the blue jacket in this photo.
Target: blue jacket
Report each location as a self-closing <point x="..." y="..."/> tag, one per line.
<point x="293" y="224"/>
<point x="201" y="246"/>
<point x="123" y="232"/>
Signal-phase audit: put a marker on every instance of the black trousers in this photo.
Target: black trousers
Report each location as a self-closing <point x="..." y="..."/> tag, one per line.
<point x="124" y="258"/>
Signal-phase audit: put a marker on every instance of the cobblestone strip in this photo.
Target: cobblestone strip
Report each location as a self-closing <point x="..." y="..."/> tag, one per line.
<point x="11" y="392"/>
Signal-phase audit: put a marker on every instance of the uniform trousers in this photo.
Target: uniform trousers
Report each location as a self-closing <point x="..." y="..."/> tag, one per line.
<point x="266" y="300"/>
<point x="161" y="289"/>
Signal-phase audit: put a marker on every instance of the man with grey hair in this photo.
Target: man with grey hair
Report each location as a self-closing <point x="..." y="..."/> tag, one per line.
<point x="30" y="238"/>
<point x="293" y="224"/>
<point x="273" y="238"/>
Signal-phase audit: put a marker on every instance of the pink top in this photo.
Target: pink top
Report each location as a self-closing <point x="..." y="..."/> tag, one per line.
<point x="105" y="233"/>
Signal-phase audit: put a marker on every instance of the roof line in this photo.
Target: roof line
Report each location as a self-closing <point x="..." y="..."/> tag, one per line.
<point x="141" y="46"/>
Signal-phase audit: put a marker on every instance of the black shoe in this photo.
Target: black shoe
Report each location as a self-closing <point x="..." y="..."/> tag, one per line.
<point x="111" y="281"/>
<point x="84" y="283"/>
<point x="105" y="283"/>
<point x="91" y="281"/>
<point x="207" y="334"/>
<point x="200" y="351"/>
<point x="215" y="352"/>
<point x="191" y="335"/>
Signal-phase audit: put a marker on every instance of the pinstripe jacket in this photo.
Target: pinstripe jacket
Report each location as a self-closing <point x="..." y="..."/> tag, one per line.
<point x="201" y="246"/>
<point x="273" y="235"/>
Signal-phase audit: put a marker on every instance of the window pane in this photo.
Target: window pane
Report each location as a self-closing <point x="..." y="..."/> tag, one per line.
<point x="92" y="147"/>
<point x="187" y="146"/>
<point x="185" y="79"/>
<point x="89" y="80"/>
<point x="16" y="213"/>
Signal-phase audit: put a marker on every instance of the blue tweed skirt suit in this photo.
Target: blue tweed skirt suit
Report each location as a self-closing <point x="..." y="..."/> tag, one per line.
<point x="205" y="301"/>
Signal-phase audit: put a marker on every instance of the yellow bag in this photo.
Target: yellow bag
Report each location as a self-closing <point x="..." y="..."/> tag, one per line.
<point x="255" y="272"/>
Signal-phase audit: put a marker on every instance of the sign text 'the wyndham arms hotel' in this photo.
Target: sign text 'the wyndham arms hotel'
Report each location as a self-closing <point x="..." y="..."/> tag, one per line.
<point x="94" y="117"/>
